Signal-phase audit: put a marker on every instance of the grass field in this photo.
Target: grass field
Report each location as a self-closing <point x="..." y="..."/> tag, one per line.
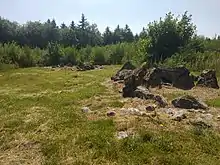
<point x="41" y="122"/>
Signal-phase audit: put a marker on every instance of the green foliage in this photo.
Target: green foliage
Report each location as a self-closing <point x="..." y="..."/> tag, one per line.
<point x="70" y="56"/>
<point x="170" y="41"/>
<point x="13" y="54"/>
<point x="168" y="35"/>
<point x="54" y="54"/>
<point x="196" y="61"/>
<point x="143" y="46"/>
<point x="214" y="102"/>
<point x="98" y="56"/>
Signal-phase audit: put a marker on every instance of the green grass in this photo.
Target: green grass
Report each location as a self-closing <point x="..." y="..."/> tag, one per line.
<point x="214" y="102"/>
<point x="41" y="123"/>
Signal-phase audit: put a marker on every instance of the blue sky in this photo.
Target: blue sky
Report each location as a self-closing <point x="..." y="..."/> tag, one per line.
<point x="135" y="13"/>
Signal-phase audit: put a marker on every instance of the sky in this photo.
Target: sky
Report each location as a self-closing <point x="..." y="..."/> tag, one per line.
<point x="136" y="13"/>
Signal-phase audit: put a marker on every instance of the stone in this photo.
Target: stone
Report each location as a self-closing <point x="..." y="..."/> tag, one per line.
<point x="85" y="109"/>
<point x="160" y="100"/>
<point x="143" y="93"/>
<point x="152" y="78"/>
<point x="121" y="75"/>
<point x="125" y="71"/>
<point x="178" y="77"/>
<point x="179" y="116"/>
<point x="170" y="111"/>
<point x="98" y="67"/>
<point x="85" y="66"/>
<point x="188" y="102"/>
<point x="201" y="123"/>
<point x="208" y="79"/>
<point x="132" y="111"/>
<point x="134" y="80"/>
<point x="111" y="113"/>
<point x="151" y="107"/>
<point x="218" y="117"/>
<point x="69" y="64"/>
<point x="122" y="135"/>
<point x="207" y="117"/>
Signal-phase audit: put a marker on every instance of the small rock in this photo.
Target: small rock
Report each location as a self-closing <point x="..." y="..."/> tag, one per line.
<point x="170" y="111"/>
<point x="218" y="117"/>
<point x="85" y="109"/>
<point x="151" y="107"/>
<point x="132" y="111"/>
<point x="141" y="107"/>
<point x="196" y="110"/>
<point x="122" y="135"/>
<point x="207" y="117"/>
<point x="201" y="123"/>
<point x="142" y="113"/>
<point x="143" y="93"/>
<point x="179" y="116"/>
<point x="161" y="101"/>
<point x="188" y="102"/>
<point x="111" y="113"/>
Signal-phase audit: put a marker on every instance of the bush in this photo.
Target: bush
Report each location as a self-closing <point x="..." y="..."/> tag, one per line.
<point x="98" y="56"/>
<point x="70" y="56"/>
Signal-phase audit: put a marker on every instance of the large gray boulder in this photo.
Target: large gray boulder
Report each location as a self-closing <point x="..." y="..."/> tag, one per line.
<point x="178" y="77"/>
<point x="132" y="81"/>
<point x="208" y="79"/>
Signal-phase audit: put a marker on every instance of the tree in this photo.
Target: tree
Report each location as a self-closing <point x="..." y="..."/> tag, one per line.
<point x="143" y="33"/>
<point x="128" y="35"/>
<point x="31" y="34"/>
<point x="72" y="25"/>
<point x="8" y="30"/>
<point x="94" y="36"/>
<point x="107" y="36"/>
<point x="50" y="32"/>
<point x="136" y="37"/>
<point x="82" y="32"/>
<point x="118" y="35"/>
<point x="83" y="24"/>
<point x="169" y="35"/>
<point x="54" y="54"/>
<point x="63" y="26"/>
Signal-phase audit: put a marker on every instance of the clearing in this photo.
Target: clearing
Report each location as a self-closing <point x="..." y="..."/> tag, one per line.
<point x="41" y="122"/>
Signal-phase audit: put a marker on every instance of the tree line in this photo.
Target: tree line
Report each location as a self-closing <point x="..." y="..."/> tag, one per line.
<point x="171" y="40"/>
<point x="37" y="34"/>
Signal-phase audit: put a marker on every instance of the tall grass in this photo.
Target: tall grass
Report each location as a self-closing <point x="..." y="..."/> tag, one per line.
<point x="196" y="61"/>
